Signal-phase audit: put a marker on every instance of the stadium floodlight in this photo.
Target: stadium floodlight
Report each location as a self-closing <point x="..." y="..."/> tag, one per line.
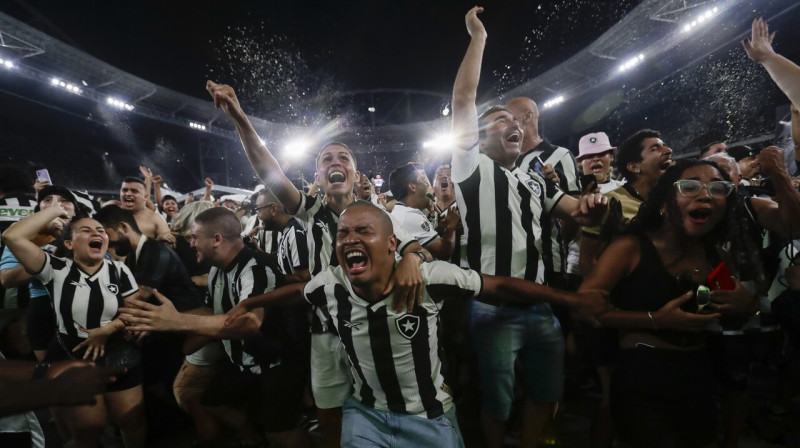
<point x="371" y="109"/>
<point x="439" y="143"/>
<point x="297" y="148"/>
<point x="701" y="18"/>
<point x="446" y="110"/>
<point x="6" y="63"/>
<point x="198" y="126"/>
<point x="69" y="87"/>
<point x="632" y="62"/>
<point x="119" y="104"/>
<point x="550" y="103"/>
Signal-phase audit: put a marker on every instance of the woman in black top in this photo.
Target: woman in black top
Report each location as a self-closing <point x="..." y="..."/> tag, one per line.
<point x="661" y="393"/>
<point x="87" y="291"/>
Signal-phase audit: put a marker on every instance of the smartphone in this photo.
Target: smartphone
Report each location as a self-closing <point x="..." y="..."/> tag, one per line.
<point x="703" y="297"/>
<point x="720" y="278"/>
<point x="586" y="181"/>
<point x="538" y="164"/>
<point x="44" y="175"/>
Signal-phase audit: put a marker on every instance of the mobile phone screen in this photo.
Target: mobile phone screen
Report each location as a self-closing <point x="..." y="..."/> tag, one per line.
<point x="44" y="175"/>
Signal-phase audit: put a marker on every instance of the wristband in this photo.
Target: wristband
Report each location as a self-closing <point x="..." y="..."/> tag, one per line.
<point x="40" y="371"/>
<point x="421" y="255"/>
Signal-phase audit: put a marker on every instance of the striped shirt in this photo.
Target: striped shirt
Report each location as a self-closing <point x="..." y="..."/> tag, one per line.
<point x="415" y="222"/>
<point x="394" y="357"/>
<point x="320" y="223"/>
<point x="567" y="169"/>
<point x="249" y="274"/>
<point x="293" y="248"/>
<point x="502" y="212"/>
<point x="85" y="300"/>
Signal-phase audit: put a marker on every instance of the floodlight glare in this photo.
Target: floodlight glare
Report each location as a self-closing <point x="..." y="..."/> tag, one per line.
<point x="54" y="81"/>
<point x="371" y="109"/>
<point x="198" y="126"/>
<point x="297" y="148"/>
<point x="553" y="102"/>
<point x="701" y="18"/>
<point x="440" y="143"/>
<point x="119" y="104"/>
<point x="7" y="63"/>
<point x="446" y="111"/>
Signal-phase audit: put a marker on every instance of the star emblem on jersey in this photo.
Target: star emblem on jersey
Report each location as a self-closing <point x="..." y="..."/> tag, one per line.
<point x="114" y="289"/>
<point x="426" y="225"/>
<point x="408" y="325"/>
<point x="593" y="140"/>
<point x="536" y="189"/>
<point x="323" y="226"/>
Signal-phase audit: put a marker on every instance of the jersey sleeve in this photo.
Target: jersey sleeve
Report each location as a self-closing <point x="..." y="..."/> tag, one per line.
<point x="127" y="282"/>
<point x="403" y="237"/>
<point x="314" y="291"/>
<point x="51" y="265"/>
<point x="464" y="163"/>
<point x="309" y="205"/>
<point x="256" y="279"/>
<point x="549" y="192"/>
<point x="416" y="224"/>
<point x="294" y="249"/>
<point x="568" y="173"/>
<point x="444" y="280"/>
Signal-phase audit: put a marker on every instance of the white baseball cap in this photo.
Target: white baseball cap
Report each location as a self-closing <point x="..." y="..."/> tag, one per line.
<point x="594" y="143"/>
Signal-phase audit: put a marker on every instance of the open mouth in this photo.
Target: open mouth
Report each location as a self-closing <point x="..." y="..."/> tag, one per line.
<point x="666" y="164"/>
<point x="444" y="184"/>
<point x="597" y="167"/>
<point x="356" y="261"/>
<point x="96" y="244"/>
<point x="700" y="215"/>
<point x="514" y="137"/>
<point x="336" y="177"/>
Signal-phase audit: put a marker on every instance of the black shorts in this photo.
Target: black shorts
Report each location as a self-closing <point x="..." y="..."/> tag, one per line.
<point x="273" y="398"/>
<point x="664" y="398"/>
<point x="56" y="352"/>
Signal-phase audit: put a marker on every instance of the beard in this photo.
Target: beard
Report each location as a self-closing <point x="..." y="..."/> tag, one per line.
<point x="123" y="248"/>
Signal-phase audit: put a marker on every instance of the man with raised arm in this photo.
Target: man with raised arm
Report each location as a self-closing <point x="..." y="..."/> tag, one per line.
<point x="132" y="197"/>
<point x="400" y="397"/>
<point x="336" y="174"/>
<point x="502" y="210"/>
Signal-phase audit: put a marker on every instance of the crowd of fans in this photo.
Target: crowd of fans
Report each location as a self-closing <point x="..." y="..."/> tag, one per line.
<point x="398" y="318"/>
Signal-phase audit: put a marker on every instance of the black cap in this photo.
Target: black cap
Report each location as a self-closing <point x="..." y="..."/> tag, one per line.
<point x="167" y="197"/>
<point x="742" y="152"/>
<point x="55" y="189"/>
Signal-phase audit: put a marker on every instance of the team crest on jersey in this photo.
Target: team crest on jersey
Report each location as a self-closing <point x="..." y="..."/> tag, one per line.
<point x="426" y="225"/>
<point x="534" y="186"/>
<point x="114" y="289"/>
<point x="323" y="226"/>
<point x="408" y="325"/>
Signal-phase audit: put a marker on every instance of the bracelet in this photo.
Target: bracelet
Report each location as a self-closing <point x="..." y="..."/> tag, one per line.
<point x="40" y="371"/>
<point x="421" y="255"/>
<point x="652" y="320"/>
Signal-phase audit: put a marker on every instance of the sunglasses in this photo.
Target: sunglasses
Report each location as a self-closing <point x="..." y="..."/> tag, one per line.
<point x="716" y="189"/>
<point x="258" y="209"/>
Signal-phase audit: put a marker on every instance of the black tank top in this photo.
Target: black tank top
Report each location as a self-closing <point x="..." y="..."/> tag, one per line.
<point x="649" y="287"/>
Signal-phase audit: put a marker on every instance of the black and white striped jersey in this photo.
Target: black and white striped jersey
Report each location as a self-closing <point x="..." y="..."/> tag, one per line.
<point x="416" y="223"/>
<point x="502" y="213"/>
<point x="320" y="223"/>
<point x="249" y="274"/>
<point x="554" y="250"/>
<point x="394" y="356"/>
<point x="293" y="248"/>
<point x="82" y="299"/>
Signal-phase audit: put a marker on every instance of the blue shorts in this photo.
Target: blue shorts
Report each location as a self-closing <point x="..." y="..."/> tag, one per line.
<point x="364" y="426"/>
<point x="500" y="335"/>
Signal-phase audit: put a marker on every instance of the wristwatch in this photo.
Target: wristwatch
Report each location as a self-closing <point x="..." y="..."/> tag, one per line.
<point x="421" y="255"/>
<point x="40" y="371"/>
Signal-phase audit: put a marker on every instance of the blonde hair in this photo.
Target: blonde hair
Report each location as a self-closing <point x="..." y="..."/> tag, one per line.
<point x="183" y="221"/>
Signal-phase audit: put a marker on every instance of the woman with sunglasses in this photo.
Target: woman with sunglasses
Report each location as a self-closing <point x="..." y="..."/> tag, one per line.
<point x="86" y="291"/>
<point x="661" y="394"/>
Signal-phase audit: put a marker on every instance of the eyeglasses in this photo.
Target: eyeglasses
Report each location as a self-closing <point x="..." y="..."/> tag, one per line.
<point x="716" y="189"/>
<point x="258" y="209"/>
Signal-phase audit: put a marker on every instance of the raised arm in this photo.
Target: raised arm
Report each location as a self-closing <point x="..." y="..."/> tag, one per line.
<point x="209" y="186"/>
<point x="465" y="88"/>
<point x="261" y="159"/>
<point x="157" y="191"/>
<point x="783" y="214"/>
<point x="784" y="72"/>
<point x="18" y="237"/>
